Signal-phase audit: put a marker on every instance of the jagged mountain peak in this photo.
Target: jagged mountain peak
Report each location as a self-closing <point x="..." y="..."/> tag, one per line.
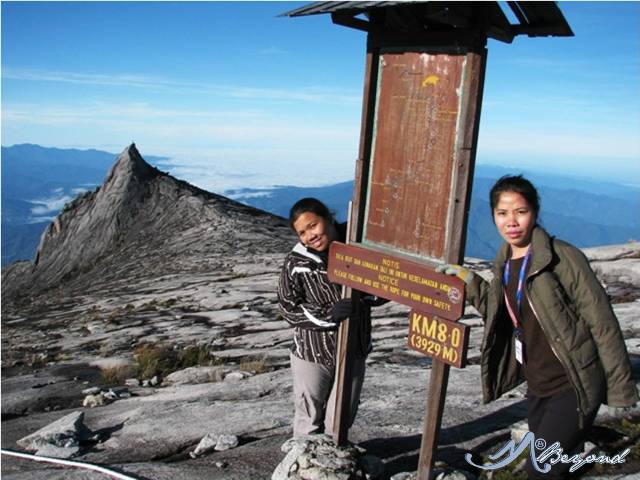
<point x="130" y="164"/>
<point x="140" y="218"/>
<point x="129" y="168"/>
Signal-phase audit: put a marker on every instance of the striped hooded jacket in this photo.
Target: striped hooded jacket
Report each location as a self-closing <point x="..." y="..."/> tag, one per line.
<point x="306" y="298"/>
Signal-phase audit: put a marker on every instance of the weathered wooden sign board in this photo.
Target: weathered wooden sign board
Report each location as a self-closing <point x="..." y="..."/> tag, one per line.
<point x="419" y="149"/>
<point x="438" y="338"/>
<point x="397" y="279"/>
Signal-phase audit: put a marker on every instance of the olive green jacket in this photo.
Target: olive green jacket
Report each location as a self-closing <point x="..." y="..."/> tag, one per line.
<point x="576" y="316"/>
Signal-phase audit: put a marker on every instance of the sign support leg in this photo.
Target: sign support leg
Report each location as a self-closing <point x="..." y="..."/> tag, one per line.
<point x="344" y="366"/>
<point x="344" y="375"/>
<point x="433" y="418"/>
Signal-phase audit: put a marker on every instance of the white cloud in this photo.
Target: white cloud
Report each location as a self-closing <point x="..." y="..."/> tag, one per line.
<point x="40" y="219"/>
<point x="53" y="204"/>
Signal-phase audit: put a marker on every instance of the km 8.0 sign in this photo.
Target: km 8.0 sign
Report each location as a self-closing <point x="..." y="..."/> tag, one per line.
<point x="439" y="338"/>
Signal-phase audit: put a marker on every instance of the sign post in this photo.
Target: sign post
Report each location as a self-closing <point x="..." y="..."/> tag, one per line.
<point x="424" y="76"/>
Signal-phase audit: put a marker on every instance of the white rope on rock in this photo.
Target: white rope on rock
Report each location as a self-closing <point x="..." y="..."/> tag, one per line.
<point x="69" y="463"/>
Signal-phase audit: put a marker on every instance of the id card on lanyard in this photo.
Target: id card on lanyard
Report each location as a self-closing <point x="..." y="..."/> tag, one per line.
<point x="517" y="326"/>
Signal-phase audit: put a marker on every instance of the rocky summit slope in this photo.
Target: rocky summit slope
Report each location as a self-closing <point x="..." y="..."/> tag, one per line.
<point x="171" y="341"/>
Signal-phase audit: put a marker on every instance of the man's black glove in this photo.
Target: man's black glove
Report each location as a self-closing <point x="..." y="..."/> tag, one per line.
<point x="341" y="310"/>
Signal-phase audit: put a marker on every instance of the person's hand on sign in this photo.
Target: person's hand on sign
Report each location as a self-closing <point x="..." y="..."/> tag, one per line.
<point x="457" y="270"/>
<point x="341" y="310"/>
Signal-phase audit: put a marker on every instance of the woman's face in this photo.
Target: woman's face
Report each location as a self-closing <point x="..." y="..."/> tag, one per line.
<point x="514" y="220"/>
<point x="315" y="231"/>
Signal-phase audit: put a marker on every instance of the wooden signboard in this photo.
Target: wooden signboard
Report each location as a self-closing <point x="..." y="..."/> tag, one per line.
<point x="438" y="338"/>
<point x="397" y="279"/>
<point x="420" y="154"/>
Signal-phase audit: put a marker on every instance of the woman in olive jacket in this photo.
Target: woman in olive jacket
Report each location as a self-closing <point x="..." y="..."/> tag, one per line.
<point x="547" y="321"/>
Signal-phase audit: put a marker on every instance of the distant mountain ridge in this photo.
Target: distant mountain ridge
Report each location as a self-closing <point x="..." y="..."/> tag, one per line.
<point x="584" y="212"/>
<point x="146" y="220"/>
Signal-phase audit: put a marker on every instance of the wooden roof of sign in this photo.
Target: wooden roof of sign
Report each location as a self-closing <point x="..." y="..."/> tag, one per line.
<point x="535" y="19"/>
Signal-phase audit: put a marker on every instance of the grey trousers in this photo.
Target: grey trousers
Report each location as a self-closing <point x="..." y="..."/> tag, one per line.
<point x="314" y="393"/>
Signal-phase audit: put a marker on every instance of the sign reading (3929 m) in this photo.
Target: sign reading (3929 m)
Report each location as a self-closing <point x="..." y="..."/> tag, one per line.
<point x="397" y="279"/>
<point x="439" y="338"/>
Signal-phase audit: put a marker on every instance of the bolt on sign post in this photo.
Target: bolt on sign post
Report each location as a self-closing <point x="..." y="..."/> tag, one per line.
<point x="424" y="74"/>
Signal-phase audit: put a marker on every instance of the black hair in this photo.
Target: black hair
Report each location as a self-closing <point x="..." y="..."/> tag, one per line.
<point x="312" y="205"/>
<point x="517" y="184"/>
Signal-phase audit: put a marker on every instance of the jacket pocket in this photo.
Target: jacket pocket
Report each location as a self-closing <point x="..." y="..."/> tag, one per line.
<point x="590" y="359"/>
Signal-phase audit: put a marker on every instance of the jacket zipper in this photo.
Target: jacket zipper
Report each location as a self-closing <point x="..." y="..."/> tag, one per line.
<point x="552" y="341"/>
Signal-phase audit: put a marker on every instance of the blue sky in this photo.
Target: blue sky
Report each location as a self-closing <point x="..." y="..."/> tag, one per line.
<point x="237" y="96"/>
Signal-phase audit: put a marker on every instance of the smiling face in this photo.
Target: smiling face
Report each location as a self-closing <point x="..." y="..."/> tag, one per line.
<point x="315" y="231"/>
<point x="514" y="219"/>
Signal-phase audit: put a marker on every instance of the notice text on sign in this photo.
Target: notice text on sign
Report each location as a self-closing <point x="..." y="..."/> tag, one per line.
<point x="400" y="280"/>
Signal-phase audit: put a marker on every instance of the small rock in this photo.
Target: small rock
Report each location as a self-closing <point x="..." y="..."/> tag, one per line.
<point x="207" y="444"/>
<point x="154" y="381"/>
<point x="66" y="433"/>
<point x="146" y="383"/>
<point x="450" y="474"/>
<point x="304" y="461"/>
<point x="53" y="451"/>
<point x="110" y="395"/>
<point x="589" y="447"/>
<point x="221" y="464"/>
<point x="195" y="375"/>
<point x="333" y="463"/>
<point x="289" y="444"/>
<point x="284" y="467"/>
<point x="244" y="309"/>
<point x="234" y="376"/>
<point x="92" y="401"/>
<point x="519" y="430"/>
<point x="91" y="391"/>
<point x="404" y="476"/>
<point x="132" y="382"/>
<point x="226" y="442"/>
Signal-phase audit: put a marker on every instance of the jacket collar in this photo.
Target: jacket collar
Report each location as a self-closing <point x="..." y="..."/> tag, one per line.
<point x="542" y="253"/>
<point x="304" y="251"/>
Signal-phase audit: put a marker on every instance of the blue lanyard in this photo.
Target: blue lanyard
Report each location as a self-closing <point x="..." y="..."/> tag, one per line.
<point x="521" y="279"/>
